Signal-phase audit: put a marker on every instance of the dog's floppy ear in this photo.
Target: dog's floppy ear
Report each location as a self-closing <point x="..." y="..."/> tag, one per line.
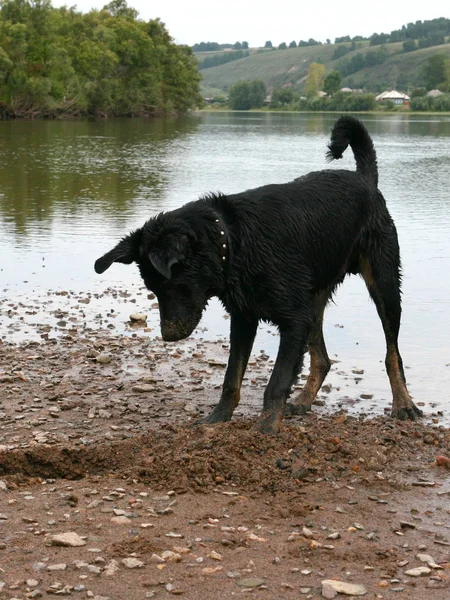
<point x="126" y="251"/>
<point x="172" y="249"/>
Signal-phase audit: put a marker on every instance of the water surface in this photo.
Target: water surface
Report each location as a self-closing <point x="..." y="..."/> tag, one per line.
<point x="70" y="190"/>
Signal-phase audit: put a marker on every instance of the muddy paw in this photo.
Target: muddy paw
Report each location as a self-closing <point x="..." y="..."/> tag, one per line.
<point x="292" y="408"/>
<point x="268" y="424"/>
<point x="214" y="417"/>
<point x="407" y="413"/>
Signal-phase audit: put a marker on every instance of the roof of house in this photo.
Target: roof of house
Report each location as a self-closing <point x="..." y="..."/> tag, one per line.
<point x="392" y="95"/>
<point x="435" y="93"/>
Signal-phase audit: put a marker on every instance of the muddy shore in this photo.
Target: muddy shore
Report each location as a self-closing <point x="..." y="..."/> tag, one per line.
<point x="97" y="440"/>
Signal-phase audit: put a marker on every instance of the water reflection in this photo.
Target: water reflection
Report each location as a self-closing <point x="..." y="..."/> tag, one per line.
<point x="83" y="167"/>
<point x="69" y="190"/>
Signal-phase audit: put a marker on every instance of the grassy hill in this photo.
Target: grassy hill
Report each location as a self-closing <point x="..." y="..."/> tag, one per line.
<point x="278" y="68"/>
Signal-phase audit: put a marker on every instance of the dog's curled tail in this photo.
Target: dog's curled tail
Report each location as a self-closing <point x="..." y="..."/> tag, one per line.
<point x="350" y="131"/>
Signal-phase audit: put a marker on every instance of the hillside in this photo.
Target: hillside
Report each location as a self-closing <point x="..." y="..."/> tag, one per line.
<point x="278" y="68"/>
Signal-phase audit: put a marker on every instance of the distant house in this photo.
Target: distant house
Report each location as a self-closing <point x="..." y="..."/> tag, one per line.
<point x="435" y="93"/>
<point x="395" y="97"/>
<point x="348" y="90"/>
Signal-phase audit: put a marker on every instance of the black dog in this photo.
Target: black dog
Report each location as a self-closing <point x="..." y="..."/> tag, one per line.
<point x="277" y="253"/>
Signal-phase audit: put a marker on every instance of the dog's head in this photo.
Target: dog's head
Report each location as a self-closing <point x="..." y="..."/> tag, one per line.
<point x="176" y="263"/>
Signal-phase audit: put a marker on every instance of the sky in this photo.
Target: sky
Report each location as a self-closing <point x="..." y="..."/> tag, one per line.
<point x="256" y="22"/>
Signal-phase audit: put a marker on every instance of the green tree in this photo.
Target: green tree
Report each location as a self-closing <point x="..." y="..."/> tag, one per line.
<point x="436" y="71"/>
<point x="57" y="61"/>
<point x="268" y="44"/>
<point x="238" y="98"/>
<point x="314" y="79"/>
<point x="409" y="46"/>
<point x="282" y="46"/>
<point x="293" y="44"/>
<point x="120" y="8"/>
<point x="332" y="82"/>
<point x="257" y="93"/>
<point x="244" y="95"/>
<point x="281" y="97"/>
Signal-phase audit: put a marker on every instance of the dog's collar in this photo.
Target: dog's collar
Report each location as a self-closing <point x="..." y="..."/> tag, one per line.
<point x="223" y="240"/>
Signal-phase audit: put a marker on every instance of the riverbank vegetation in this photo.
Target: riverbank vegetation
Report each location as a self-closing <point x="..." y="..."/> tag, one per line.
<point x="324" y="92"/>
<point x="60" y="62"/>
<point x="400" y="60"/>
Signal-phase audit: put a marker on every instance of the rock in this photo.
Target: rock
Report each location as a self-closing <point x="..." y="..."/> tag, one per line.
<point x="418" y="572"/>
<point x="343" y="587"/>
<point x="120" y="520"/>
<point x="328" y="591"/>
<point x="111" y="568"/>
<point x="58" y="567"/>
<point x="69" y="539"/>
<point x="251" y="582"/>
<point x="169" y="556"/>
<point x="103" y="359"/>
<point x="132" y="563"/>
<point x="443" y="461"/>
<point x="138" y="317"/>
<point x="426" y="558"/>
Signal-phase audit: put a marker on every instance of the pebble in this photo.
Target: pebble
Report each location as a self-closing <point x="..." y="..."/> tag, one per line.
<point x="251" y="582"/>
<point x="137" y="317"/>
<point x="58" y="567"/>
<point x="69" y="539"/>
<point x="342" y="587"/>
<point x="132" y="563"/>
<point x="418" y="571"/>
<point x="120" y="520"/>
<point x="426" y="558"/>
<point x="103" y="359"/>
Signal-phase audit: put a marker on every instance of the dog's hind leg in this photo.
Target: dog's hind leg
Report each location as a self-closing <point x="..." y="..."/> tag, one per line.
<point x="381" y="273"/>
<point x="242" y="336"/>
<point x="320" y="362"/>
<point x="293" y="339"/>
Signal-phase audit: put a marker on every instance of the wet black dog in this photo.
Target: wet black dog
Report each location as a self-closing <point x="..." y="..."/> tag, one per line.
<point x="276" y="253"/>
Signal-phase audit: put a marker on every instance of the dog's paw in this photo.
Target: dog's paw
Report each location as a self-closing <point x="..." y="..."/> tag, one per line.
<point x="268" y="423"/>
<point x="407" y="413"/>
<point x="292" y="409"/>
<point x="214" y="417"/>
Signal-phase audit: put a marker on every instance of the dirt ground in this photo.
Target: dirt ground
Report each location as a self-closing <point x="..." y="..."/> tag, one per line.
<point x="97" y="440"/>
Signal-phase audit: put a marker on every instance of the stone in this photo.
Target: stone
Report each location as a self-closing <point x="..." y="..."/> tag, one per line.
<point x="69" y="539"/>
<point x="418" y="571"/>
<point x="343" y="587"/>
<point x="132" y="563"/>
<point x="111" y="568"/>
<point x="251" y="582"/>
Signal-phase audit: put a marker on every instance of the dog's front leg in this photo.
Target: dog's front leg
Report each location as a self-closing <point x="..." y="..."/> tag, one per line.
<point x="242" y="336"/>
<point x="287" y="366"/>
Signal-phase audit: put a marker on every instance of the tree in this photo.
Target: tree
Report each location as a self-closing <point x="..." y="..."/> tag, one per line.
<point x="314" y="79"/>
<point x="435" y="71"/>
<point x="238" y="98"/>
<point x="120" y="8"/>
<point x="293" y="44"/>
<point x="268" y="44"/>
<point x="332" y="82"/>
<point x="247" y="94"/>
<point x="409" y="46"/>
<point x="282" y="46"/>
<point x="237" y="46"/>
<point x="281" y="97"/>
<point x="257" y="93"/>
<point x="244" y="45"/>
<point x="63" y="62"/>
